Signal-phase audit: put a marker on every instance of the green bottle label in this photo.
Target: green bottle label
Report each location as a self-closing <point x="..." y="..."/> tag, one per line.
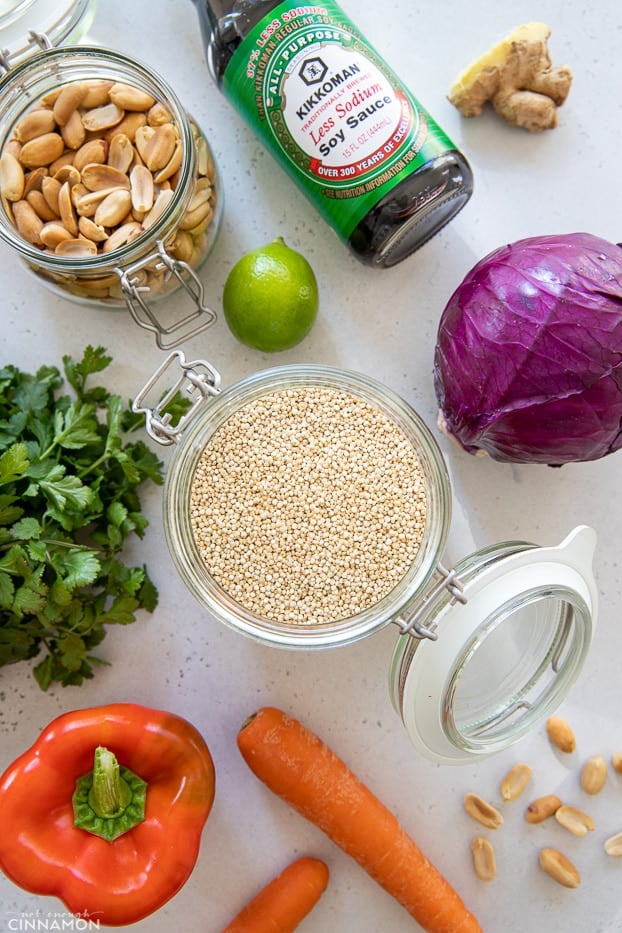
<point x="330" y="109"/>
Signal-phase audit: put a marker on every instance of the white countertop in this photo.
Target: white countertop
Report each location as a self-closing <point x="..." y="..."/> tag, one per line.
<point x="382" y="324"/>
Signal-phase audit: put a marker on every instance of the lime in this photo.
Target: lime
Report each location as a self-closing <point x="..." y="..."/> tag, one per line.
<point x="270" y="298"/>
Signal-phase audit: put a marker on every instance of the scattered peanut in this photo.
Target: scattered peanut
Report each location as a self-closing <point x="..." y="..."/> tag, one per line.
<point x="482" y="811"/>
<point x="484" y="860"/>
<point x="560" y="868"/>
<point x="560" y="734"/>
<point x="574" y="820"/>
<point x="613" y="845"/>
<point x="515" y="782"/>
<point x="542" y="808"/>
<point x="594" y="775"/>
<point x="96" y="157"/>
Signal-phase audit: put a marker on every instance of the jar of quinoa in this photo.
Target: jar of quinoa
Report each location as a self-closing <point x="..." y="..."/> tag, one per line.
<point x="307" y="507"/>
<point x="109" y="190"/>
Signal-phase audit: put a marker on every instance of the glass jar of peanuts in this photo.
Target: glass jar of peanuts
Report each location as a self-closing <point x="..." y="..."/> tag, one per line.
<point x="109" y="190"/>
<point x="307" y="507"/>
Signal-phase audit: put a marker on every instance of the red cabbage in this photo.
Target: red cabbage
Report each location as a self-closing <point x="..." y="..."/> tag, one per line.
<point x="528" y="360"/>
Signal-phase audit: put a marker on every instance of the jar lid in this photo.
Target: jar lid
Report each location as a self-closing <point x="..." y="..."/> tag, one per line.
<point x="25" y="24"/>
<point x="495" y="647"/>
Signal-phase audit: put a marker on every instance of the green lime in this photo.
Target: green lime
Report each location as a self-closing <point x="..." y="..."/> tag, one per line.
<point x="271" y="297"/>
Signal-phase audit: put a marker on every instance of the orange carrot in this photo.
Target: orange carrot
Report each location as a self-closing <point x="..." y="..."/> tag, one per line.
<point x="285" y="901"/>
<point x="297" y="766"/>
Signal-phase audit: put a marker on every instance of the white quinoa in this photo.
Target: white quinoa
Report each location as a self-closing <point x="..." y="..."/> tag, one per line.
<point x="308" y="505"/>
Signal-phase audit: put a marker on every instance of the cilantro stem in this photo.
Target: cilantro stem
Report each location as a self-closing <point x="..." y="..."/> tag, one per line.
<point x="94" y="464"/>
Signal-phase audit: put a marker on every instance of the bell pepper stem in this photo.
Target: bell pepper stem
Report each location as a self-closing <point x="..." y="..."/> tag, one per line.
<point x="109" y="800"/>
<point x="109" y="794"/>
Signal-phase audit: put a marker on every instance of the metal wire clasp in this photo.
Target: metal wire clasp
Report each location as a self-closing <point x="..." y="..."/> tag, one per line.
<point x="415" y="625"/>
<point x="39" y="39"/>
<point x="191" y="324"/>
<point x="198" y="382"/>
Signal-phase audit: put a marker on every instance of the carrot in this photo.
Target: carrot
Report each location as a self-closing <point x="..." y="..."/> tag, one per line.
<point x="285" y="901"/>
<point x="297" y="766"/>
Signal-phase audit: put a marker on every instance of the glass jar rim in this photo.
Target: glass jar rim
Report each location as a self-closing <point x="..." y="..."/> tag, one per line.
<point x="92" y="57"/>
<point x="184" y="550"/>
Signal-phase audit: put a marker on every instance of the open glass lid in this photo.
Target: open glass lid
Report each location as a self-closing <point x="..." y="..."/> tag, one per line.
<point x="494" y="648"/>
<point x="28" y="25"/>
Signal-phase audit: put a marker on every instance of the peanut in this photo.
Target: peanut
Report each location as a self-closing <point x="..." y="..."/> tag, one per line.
<point x="484" y="860"/>
<point x="95" y="150"/>
<point x="50" y="189"/>
<point x="34" y="124"/>
<point x="560" y="868"/>
<point x="159" y="206"/>
<point x="73" y="131"/>
<point x="130" y="98"/>
<point x="77" y="248"/>
<point x="33" y="180"/>
<point x="11" y="178"/>
<point x="172" y="166"/>
<point x="574" y="820"/>
<point x="114" y="208"/>
<point x="54" y="233"/>
<point x="542" y="808"/>
<point x="94" y="164"/>
<point x="68" y="101"/>
<point x="515" y="782"/>
<point x="141" y="188"/>
<point x="96" y="176"/>
<point x="42" y="150"/>
<point x="66" y="209"/>
<point x="158" y="114"/>
<point x="28" y="222"/>
<point x="560" y="734"/>
<point x="616" y="761"/>
<point x="97" y="94"/>
<point x="121" y="153"/>
<point x="91" y="230"/>
<point x="613" y="845"/>
<point x="102" y="118"/>
<point x="482" y="811"/>
<point x="68" y="173"/>
<point x="37" y="201"/>
<point x="158" y="150"/>
<point x="594" y="775"/>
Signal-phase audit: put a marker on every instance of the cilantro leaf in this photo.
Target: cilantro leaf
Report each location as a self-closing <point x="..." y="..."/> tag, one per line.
<point x="13" y="464"/>
<point x="69" y="500"/>
<point x="65" y="491"/>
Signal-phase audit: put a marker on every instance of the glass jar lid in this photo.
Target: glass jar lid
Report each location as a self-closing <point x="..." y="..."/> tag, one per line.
<point x="26" y="24"/>
<point x="497" y="650"/>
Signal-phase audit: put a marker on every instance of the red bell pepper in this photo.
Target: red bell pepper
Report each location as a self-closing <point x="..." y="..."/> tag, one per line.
<point x="140" y="810"/>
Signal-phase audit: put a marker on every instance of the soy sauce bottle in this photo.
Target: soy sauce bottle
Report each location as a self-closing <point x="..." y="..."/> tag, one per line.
<point x="337" y="118"/>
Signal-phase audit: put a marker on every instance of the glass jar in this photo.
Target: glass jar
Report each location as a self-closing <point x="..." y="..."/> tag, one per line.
<point x="23" y="23"/>
<point x="167" y="246"/>
<point x="486" y="649"/>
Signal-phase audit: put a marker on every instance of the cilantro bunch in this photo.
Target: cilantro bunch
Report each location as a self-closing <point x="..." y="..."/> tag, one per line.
<point x="68" y="500"/>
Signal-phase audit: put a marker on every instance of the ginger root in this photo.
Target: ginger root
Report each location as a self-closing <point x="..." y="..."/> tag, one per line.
<point x="518" y="79"/>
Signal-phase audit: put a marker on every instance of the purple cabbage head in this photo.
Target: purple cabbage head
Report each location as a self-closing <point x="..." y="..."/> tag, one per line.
<point x="528" y="360"/>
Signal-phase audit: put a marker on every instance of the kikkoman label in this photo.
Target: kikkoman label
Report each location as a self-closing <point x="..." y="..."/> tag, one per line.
<point x="330" y="109"/>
